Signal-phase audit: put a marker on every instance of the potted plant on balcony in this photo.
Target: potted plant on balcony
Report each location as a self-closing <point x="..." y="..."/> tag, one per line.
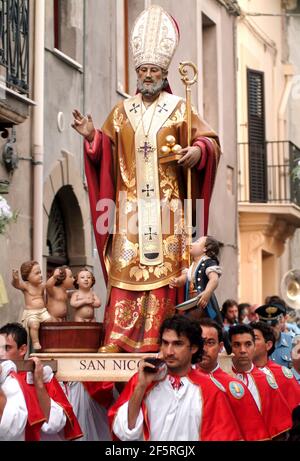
<point x="6" y="215"/>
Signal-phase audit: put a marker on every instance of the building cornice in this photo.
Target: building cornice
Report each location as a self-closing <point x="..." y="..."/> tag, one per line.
<point x="231" y="6"/>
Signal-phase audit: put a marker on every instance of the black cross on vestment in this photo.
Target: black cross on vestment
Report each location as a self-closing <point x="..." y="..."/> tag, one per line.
<point x="162" y="108"/>
<point x="148" y="190"/>
<point x="150" y="234"/>
<point x="134" y="107"/>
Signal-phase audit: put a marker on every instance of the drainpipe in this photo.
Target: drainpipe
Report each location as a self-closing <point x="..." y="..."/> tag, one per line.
<point x="38" y="130"/>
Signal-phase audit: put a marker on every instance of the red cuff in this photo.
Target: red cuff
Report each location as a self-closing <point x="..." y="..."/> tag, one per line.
<point x="202" y="162"/>
<point x="92" y="148"/>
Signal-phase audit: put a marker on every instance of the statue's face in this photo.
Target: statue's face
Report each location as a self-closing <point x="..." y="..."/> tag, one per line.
<point x="85" y="279"/>
<point x="150" y="79"/>
<point x="35" y="277"/>
<point x="198" y="247"/>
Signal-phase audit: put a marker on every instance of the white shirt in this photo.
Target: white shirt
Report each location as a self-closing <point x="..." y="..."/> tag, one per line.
<point x="247" y="379"/>
<point x="174" y="415"/>
<point x="53" y="430"/>
<point x="14" y="417"/>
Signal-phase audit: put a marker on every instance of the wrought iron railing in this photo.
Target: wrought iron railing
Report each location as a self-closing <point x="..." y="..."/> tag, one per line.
<point x="14" y="44"/>
<point x="269" y="172"/>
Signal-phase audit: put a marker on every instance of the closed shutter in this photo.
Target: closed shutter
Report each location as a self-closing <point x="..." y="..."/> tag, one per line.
<point x="257" y="144"/>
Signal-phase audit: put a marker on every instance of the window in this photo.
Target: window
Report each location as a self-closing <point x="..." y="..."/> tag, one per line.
<point x="68" y="27"/>
<point x="257" y="144"/>
<point x="14" y="44"/>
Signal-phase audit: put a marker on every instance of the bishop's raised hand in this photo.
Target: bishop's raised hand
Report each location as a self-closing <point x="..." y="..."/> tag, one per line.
<point x="84" y="125"/>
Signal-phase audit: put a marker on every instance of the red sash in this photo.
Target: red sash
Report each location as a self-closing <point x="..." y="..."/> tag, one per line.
<point x="287" y="384"/>
<point x="101" y="392"/>
<point x="36" y="416"/>
<point x="72" y="430"/>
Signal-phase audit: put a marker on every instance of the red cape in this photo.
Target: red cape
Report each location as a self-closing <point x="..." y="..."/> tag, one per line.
<point x="99" y="170"/>
<point x="287" y="384"/>
<point x="101" y="392"/>
<point x="36" y="416"/>
<point x="72" y="430"/>
<point x="274" y="408"/>
<point x="244" y="408"/>
<point x="218" y="421"/>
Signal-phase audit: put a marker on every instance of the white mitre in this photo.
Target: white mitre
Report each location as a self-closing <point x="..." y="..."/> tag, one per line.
<point x="154" y="38"/>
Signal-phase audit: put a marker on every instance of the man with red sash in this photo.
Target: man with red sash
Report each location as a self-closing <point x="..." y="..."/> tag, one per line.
<point x="140" y="195"/>
<point x="264" y="346"/>
<point x="176" y="402"/>
<point x="50" y="415"/>
<point x="242" y="403"/>
<point x="264" y="389"/>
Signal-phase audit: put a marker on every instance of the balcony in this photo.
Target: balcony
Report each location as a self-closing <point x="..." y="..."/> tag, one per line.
<point x="269" y="212"/>
<point x="269" y="179"/>
<point x="268" y="173"/>
<point x="14" y="61"/>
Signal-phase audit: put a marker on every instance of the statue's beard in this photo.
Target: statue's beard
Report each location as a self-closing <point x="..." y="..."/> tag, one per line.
<point x="153" y="89"/>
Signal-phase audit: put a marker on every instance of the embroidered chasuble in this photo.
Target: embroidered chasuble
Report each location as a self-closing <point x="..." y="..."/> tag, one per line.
<point x="148" y="246"/>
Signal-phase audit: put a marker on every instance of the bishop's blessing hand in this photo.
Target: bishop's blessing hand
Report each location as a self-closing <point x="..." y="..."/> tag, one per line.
<point x="84" y="125"/>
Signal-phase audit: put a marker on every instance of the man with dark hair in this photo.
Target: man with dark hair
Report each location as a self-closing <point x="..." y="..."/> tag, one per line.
<point x="230" y="313"/>
<point x="50" y="414"/>
<point x="174" y="402"/>
<point x="264" y="346"/>
<point x="243" y="312"/>
<point x="242" y="403"/>
<point x="264" y="389"/>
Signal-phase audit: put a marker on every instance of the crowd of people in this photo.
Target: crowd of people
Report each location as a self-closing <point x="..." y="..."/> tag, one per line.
<point x="258" y="399"/>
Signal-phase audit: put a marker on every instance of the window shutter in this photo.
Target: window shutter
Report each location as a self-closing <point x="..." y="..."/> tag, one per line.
<point x="257" y="144"/>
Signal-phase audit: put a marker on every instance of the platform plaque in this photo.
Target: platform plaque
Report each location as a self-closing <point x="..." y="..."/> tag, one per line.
<point x="104" y="367"/>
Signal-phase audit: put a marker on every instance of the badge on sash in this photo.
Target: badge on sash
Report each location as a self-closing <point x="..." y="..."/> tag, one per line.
<point x="271" y="381"/>
<point x="236" y="389"/>
<point x="287" y="372"/>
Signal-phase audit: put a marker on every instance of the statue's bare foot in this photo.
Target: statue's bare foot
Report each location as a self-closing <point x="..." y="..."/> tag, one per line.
<point x="36" y="346"/>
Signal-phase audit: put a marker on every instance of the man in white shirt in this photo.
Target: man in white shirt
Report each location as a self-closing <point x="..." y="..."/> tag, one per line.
<point x="53" y="413"/>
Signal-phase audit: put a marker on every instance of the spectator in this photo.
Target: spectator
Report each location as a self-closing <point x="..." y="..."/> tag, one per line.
<point x="230" y="313"/>
<point x="272" y="314"/>
<point x="252" y="315"/>
<point x="243" y="312"/>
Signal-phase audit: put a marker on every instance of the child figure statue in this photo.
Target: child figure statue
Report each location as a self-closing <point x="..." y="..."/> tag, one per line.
<point x="84" y="300"/>
<point x="33" y="289"/>
<point x="57" y="287"/>
<point x="202" y="278"/>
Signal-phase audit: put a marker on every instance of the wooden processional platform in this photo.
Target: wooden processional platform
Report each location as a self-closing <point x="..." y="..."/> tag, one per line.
<point x="102" y="367"/>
